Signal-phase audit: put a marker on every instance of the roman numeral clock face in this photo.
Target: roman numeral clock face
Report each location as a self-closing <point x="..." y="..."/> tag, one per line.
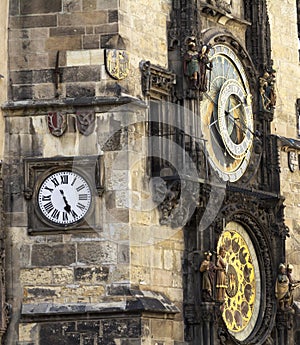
<point x="226" y="113"/>
<point x="64" y="198"/>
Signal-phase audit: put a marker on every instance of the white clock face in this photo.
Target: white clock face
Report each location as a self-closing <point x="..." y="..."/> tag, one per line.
<point x="226" y="113"/>
<point x="64" y="198"/>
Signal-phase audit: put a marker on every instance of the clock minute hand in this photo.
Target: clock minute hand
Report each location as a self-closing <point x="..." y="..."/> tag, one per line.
<point x="67" y="207"/>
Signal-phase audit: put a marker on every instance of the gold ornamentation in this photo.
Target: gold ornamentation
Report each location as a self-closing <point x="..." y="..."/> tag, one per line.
<point x="117" y="63"/>
<point x="240" y="308"/>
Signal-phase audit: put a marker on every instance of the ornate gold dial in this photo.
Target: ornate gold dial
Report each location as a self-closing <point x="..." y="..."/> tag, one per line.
<point x="242" y="297"/>
<point x="227" y="115"/>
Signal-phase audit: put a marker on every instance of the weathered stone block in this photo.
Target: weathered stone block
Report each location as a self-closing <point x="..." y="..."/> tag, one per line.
<point x="22" y="92"/>
<point x="92" y="18"/>
<point x="88" y="326"/>
<point x="91" y="274"/>
<point x="78" y="91"/>
<point x="39" y="294"/>
<point x="91" y="42"/>
<point x="98" y="253"/>
<point x="107" y="4"/>
<point x="76" y="58"/>
<point x="22" y="77"/>
<point x="111" y="28"/>
<point x="63" y="275"/>
<point x="33" y="21"/>
<point x="39" y="6"/>
<point x="113" y="16"/>
<point x="53" y="255"/>
<point x="44" y="91"/>
<point x="123" y="328"/>
<point x="89" y="5"/>
<point x="53" y="333"/>
<point x="36" y="276"/>
<point x="63" y="43"/>
<point x="66" y="31"/>
<point x="81" y="73"/>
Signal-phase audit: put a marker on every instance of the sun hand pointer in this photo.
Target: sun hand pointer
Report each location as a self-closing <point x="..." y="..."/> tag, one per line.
<point x="67" y="207"/>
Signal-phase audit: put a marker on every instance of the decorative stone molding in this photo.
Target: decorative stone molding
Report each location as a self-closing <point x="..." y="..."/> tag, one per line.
<point x="156" y="81"/>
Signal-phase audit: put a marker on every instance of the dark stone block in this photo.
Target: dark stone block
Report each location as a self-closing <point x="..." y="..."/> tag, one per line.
<point x="91" y="273"/>
<point x="113" y="16"/>
<point x="33" y="21"/>
<point x="96" y="252"/>
<point x="43" y="76"/>
<point x="25" y="256"/>
<point x="14" y="8"/>
<point x="77" y="91"/>
<point x="40" y="6"/>
<point x="21" y="77"/>
<point x="51" y="255"/>
<point x="40" y="292"/>
<point x="81" y="74"/>
<point x="56" y="333"/>
<point x="133" y="342"/>
<point x="88" y="340"/>
<point x="88" y="327"/>
<point x="105" y="341"/>
<point x="121" y="328"/>
<point x="91" y="42"/>
<point x="105" y="41"/>
<point x="66" y="31"/>
<point x="22" y="92"/>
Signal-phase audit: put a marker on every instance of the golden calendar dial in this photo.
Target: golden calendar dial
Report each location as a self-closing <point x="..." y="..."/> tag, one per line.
<point x="243" y="292"/>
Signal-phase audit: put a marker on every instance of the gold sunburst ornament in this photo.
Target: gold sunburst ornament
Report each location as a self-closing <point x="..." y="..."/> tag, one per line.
<point x="243" y="288"/>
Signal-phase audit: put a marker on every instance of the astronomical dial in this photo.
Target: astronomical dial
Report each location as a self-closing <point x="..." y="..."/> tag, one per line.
<point x="227" y="115"/>
<point x="243" y="291"/>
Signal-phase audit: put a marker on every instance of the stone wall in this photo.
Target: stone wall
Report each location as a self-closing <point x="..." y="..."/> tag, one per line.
<point x="56" y="47"/>
<point x="284" y="39"/>
<point x="3" y="70"/>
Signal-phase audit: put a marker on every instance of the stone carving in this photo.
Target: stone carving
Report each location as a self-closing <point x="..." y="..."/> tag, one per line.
<point x="224" y="5"/>
<point x="285" y="284"/>
<point x="57" y="123"/>
<point x="267" y="90"/>
<point x="221" y="278"/>
<point x="207" y="268"/>
<point x="86" y="121"/>
<point x="196" y="64"/>
<point x="156" y="79"/>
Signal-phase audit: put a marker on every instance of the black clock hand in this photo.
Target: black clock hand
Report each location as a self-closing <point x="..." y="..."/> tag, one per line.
<point x="67" y="207"/>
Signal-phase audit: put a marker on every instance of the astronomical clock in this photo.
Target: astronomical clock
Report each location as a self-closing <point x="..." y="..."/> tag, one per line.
<point x="227" y="119"/>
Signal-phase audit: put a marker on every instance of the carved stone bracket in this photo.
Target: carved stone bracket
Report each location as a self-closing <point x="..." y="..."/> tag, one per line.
<point x="156" y="81"/>
<point x="177" y="201"/>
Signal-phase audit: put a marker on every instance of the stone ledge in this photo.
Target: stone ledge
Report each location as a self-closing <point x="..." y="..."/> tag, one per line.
<point x="28" y="105"/>
<point x="135" y="302"/>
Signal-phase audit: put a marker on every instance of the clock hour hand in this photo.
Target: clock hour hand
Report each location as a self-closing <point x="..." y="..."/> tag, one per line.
<point x="67" y="207"/>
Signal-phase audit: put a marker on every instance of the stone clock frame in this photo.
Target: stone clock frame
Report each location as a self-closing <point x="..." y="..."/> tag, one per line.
<point x="35" y="172"/>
